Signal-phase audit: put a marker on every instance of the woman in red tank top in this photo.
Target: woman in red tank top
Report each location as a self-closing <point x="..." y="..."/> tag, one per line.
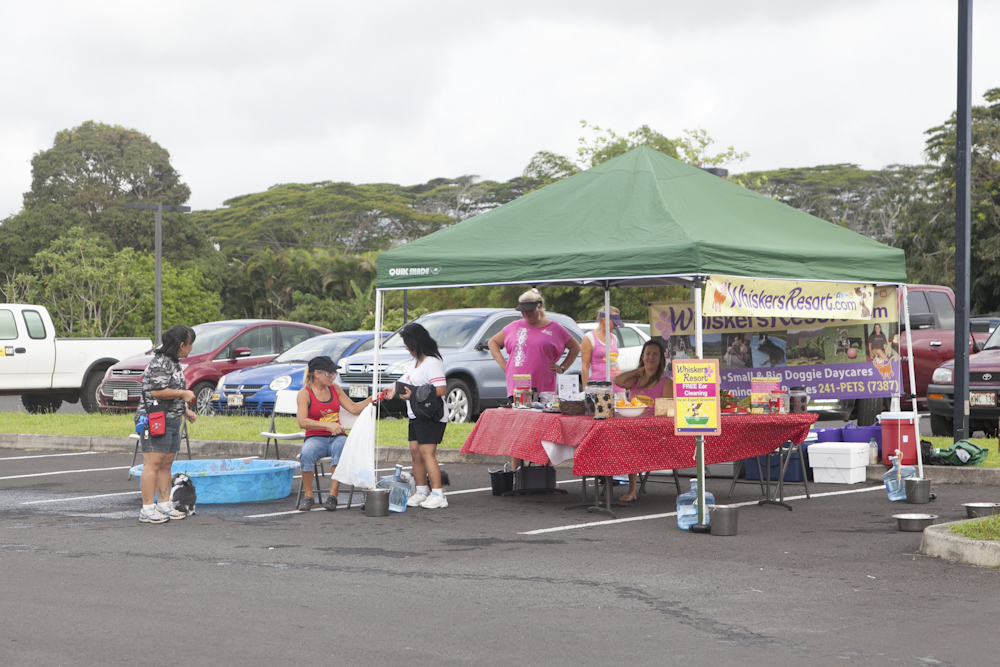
<point x="319" y="404"/>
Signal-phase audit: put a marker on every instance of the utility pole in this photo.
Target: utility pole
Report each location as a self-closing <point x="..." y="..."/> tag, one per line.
<point x="159" y="208"/>
<point x="963" y="235"/>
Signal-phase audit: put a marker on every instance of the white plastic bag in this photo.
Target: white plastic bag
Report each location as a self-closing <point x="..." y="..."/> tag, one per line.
<point x="357" y="461"/>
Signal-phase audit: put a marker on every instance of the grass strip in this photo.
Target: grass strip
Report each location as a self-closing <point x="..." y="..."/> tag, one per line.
<point x="987" y="528"/>
<point x="391" y="432"/>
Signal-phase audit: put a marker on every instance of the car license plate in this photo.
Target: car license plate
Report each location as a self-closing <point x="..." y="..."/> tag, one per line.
<point x="121" y="395"/>
<point x="235" y="400"/>
<point x="358" y="391"/>
<point x="987" y="398"/>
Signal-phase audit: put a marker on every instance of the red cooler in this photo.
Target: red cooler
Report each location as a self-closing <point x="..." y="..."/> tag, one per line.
<point x="899" y="431"/>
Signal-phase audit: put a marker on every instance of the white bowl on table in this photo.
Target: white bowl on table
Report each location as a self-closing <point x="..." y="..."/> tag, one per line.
<point x="631" y="411"/>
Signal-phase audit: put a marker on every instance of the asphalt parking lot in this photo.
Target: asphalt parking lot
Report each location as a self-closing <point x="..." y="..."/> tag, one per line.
<point x="488" y="579"/>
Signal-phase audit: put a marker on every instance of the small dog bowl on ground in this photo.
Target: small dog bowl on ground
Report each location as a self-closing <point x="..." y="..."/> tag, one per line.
<point x="975" y="510"/>
<point x="235" y="480"/>
<point x="631" y="411"/>
<point x="914" y="523"/>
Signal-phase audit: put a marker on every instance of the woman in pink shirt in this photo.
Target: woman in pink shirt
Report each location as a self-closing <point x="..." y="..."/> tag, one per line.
<point x="647" y="380"/>
<point x="534" y="344"/>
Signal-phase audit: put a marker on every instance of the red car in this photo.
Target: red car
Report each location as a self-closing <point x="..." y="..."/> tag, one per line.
<point x="219" y="348"/>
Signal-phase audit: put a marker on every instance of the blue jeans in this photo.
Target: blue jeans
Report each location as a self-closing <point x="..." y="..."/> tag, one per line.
<point x="169" y="442"/>
<point x="318" y="446"/>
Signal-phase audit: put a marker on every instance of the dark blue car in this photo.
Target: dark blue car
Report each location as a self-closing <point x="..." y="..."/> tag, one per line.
<point x="252" y="390"/>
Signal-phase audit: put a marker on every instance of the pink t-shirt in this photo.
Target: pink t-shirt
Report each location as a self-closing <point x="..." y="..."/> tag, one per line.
<point x="531" y="351"/>
<point x="654" y="392"/>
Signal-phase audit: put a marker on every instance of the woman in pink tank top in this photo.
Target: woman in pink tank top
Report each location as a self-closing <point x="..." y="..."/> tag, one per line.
<point x="647" y="380"/>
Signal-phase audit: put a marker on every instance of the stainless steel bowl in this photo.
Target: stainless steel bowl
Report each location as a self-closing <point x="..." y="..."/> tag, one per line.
<point x="974" y="510"/>
<point x="914" y="523"/>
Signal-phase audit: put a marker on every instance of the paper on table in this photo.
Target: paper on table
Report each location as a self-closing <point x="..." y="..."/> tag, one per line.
<point x="568" y="385"/>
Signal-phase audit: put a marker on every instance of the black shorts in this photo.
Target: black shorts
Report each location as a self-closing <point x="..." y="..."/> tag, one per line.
<point x="426" y="432"/>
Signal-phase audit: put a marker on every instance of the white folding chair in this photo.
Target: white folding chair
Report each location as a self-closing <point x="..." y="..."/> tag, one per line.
<point x="284" y="404"/>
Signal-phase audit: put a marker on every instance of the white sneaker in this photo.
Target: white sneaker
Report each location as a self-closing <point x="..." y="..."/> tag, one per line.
<point x="153" y="516"/>
<point x="434" y="502"/>
<point x="172" y="513"/>
<point x="416" y="499"/>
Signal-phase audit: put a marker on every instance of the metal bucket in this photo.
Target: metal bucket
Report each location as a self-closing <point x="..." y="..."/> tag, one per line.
<point x="723" y="519"/>
<point x="376" y="502"/>
<point x="918" y="490"/>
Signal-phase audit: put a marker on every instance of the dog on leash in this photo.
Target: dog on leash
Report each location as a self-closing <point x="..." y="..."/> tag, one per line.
<point x="183" y="493"/>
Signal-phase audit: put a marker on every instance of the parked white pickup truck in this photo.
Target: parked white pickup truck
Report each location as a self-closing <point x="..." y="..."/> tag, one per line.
<point x="46" y="370"/>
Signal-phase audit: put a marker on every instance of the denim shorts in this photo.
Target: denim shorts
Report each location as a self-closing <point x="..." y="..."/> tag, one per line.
<point x="168" y="443"/>
<point x="319" y="446"/>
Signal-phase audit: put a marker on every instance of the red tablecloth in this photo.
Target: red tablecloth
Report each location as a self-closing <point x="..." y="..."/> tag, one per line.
<point x="619" y="446"/>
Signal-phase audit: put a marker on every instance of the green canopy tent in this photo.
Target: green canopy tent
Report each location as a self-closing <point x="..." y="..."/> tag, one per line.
<point x="640" y="219"/>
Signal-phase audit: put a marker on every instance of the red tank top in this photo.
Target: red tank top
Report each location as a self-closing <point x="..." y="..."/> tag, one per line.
<point x="323" y="412"/>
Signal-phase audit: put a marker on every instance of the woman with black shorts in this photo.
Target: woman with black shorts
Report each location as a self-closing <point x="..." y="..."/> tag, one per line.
<point x="424" y="434"/>
<point x="164" y="389"/>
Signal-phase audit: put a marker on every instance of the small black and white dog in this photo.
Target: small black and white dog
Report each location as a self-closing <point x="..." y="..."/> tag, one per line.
<point x="183" y="493"/>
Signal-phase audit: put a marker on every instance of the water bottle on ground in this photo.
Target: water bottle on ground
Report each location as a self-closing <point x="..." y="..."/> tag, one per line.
<point x="687" y="506"/>
<point x="399" y="489"/>
<point x="872" y="452"/>
<point x="893" y="479"/>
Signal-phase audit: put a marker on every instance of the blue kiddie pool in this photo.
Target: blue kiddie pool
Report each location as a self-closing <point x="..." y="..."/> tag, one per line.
<point x="236" y="480"/>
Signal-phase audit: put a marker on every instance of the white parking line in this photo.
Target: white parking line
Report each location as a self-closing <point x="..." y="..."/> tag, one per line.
<point x="66" y="500"/>
<point x="46" y="456"/>
<point x="65" y="472"/>
<point x="609" y="522"/>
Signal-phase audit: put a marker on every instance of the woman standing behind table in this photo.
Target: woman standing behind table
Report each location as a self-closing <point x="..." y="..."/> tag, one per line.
<point x="534" y="345"/>
<point x="164" y="389"/>
<point x="424" y="434"/>
<point x="647" y="380"/>
<point x="318" y="412"/>
<point x="593" y="351"/>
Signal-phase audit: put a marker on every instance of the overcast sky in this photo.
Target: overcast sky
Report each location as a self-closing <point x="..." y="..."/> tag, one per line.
<point x="248" y="94"/>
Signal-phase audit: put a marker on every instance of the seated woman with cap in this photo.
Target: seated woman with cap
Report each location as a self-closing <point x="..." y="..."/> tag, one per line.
<point x="319" y="403"/>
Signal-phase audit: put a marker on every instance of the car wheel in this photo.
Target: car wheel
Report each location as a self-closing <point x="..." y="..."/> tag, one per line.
<point x="36" y="404"/>
<point x="941" y="425"/>
<point x="90" y="393"/>
<point x="459" y="401"/>
<point x="868" y="410"/>
<point x="203" y="398"/>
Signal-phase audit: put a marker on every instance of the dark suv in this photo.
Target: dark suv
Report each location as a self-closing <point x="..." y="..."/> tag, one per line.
<point x="219" y="348"/>
<point x="984" y="390"/>
<point x="475" y="381"/>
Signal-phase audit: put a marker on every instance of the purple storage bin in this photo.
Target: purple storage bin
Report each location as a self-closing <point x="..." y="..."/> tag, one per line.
<point x="828" y="434"/>
<point x="854" y="433"/>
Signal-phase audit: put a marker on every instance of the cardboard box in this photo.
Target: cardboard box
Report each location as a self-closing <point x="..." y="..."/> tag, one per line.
<point x="843" y="455"/>
<point x="838" y="475"/>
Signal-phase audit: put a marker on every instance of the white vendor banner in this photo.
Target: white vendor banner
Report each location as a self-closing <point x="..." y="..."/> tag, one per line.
<point x="744" y="297"/>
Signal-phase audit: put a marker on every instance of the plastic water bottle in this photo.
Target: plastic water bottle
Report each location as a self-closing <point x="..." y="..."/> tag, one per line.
<point x="687" y="506"/>
<point x="893" y="479"/>
<point x="872" y="452"/>
<point x="399" y="489"/>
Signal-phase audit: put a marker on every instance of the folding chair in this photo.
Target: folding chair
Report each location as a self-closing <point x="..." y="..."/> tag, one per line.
<point x="138" y="442"/>
<point x="347" y="421"/>
<point x="284" y="404"/>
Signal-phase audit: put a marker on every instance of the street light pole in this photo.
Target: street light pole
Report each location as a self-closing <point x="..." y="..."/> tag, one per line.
<point x="159" y="208"/>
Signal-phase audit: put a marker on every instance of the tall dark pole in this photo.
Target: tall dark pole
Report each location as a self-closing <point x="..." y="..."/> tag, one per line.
<point x="159" y="208"/>
<point x="963" y="198"/>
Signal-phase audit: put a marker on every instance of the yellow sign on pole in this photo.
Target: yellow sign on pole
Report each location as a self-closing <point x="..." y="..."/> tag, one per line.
<point x="697" y="404"/>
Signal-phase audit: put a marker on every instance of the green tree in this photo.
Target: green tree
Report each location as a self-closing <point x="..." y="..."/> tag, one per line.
<point x="88" y="289"/>
<point x="84" y="180"/>
<point x="985" y="210"/>
<point x="604" y="144"/>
